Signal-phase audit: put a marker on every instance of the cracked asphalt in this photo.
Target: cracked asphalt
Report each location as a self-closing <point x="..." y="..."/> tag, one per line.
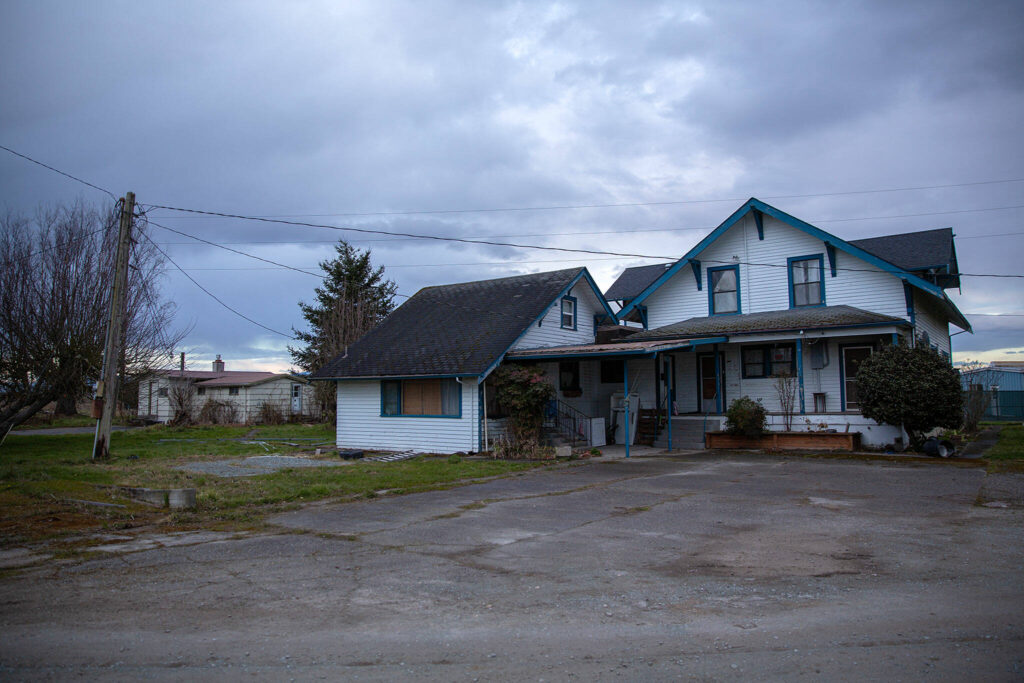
<point x="698" y="567"/>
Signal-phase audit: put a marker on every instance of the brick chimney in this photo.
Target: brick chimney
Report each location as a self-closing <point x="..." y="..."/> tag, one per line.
<point x="218" y="365"/>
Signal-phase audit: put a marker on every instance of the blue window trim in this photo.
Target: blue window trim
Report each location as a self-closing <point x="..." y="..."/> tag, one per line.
<point x="575" y="312"/>
<point x="766" y="361"/>
<point x="821" y="278"/>
<point x="711" y="290"/>
<point x="401" y="414"/>
<point x="842" y="373"/>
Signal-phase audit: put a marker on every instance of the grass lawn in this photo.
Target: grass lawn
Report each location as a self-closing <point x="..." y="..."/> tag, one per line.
<point x="1008" y="453"/>
<point x="48" y="482"/>
<point x="48" y="421"/>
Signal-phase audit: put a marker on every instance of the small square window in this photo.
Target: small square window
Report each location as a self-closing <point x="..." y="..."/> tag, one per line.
<point x="569" y="313"/>
<point x="200" y="391"/>
<point x="612" y="372"/>
<point x="232" y="391"/>
<point x="162" y="392"/>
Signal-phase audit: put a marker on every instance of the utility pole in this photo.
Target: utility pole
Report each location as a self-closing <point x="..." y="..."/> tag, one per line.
<point x="105" y="399"/>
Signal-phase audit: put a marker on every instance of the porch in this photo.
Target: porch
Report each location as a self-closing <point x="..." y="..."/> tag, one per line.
<point x="679" y="389"/>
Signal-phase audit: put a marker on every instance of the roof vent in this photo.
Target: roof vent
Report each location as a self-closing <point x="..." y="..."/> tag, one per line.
<point x="218" y="365"/>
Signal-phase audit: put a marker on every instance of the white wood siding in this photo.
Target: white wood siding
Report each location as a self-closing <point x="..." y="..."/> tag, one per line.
<point x="766" y="287"/>
<point x="550" y="331"/>
<point x="929" y="317"/>
<point x="360" y="424"/>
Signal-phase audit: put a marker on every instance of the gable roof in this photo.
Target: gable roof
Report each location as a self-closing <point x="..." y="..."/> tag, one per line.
<point x="918" y="252"/>
<point x="456" y="330"/>
<point x="228" y="378"/>
<point x="756" y="206"/>
<point x="634" y="280"/>
<point x="817" y="318"/>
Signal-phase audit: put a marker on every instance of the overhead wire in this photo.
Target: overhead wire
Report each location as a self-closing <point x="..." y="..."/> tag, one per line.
<point x="56" y="170"/>
<point x="636" y="204"/>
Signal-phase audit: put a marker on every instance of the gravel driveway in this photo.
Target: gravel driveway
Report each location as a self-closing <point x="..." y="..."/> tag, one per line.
<point x="712" y="567"/>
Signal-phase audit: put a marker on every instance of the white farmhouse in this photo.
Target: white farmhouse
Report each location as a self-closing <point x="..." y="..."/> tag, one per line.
<point x="763" y="296"/>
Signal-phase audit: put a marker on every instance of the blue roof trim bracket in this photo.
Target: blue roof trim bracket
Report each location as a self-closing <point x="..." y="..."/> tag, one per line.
<point x="584" y="274"/>
<point x="754" y="204"/>
<point x="759" y="220"/>
<point x="830" y="249"/>
<point x="695" y="264"/>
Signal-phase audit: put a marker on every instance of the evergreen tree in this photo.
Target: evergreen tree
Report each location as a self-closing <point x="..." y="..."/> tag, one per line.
<point x="353" y="299"/>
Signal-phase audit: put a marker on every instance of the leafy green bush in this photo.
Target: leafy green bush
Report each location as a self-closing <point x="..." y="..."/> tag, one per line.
<point x="915" y="387"/>
<point x="746" y="416"/>
<point x="523" y="393"/>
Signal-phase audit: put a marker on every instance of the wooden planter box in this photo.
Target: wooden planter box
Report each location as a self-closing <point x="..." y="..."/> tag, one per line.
<point x="786" y="441"/>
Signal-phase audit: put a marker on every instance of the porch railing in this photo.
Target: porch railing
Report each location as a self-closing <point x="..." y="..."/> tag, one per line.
<point x="570" y="423"/>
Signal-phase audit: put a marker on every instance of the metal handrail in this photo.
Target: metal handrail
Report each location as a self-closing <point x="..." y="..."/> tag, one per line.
<point x="571" y="422"/>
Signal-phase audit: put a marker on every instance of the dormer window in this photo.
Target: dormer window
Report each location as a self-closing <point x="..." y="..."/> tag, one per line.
<point x="724" y="290"/>
<point x="568" y="313"/>
<point x="806" y="281"/>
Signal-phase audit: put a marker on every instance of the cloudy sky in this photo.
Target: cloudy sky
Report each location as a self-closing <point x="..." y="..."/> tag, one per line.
<point x="487" y="120"/>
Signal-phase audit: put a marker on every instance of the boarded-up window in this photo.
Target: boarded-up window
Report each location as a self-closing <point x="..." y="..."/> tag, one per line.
<point x="429" y="397"/>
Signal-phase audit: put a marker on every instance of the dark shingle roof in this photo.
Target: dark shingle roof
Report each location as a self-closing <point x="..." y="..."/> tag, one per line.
<point x="634" y="280"/>
<point x="769" y="321"/>
<point x="917" y="252"/>
<point x="458" y="329"/>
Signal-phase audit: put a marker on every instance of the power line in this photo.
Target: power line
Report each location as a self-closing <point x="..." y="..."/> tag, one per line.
<point x="406" y="234"/>
<point x="55" y="170"/>
<point x="635" y="204"/>
<point x="214" y="296"/>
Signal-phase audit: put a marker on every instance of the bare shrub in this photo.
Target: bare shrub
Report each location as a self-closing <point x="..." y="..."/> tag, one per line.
<point x="218" y="412"/>
<point x="182" y="395"/>
<point x="270" y="414"/>
<point x="785" y="389"/>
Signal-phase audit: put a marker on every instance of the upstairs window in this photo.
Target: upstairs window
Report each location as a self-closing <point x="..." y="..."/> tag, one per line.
<point x="806" y="281"/>
<point x="724" y="290"/>
<point x="568" y="313"/>
<point x="420" y="397"/>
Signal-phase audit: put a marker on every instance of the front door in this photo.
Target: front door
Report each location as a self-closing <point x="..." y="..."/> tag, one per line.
<point x="709" y="383"/>
<point x="852" y="356"/>
<point x="296" y="399"/>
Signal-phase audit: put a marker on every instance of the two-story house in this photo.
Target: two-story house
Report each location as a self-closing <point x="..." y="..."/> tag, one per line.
<point x="765" y="295"/>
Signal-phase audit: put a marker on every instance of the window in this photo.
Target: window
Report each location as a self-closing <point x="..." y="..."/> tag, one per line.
<point x="200" y="391"/>
<point x="769" y="361"/>
<point x="569" y="375"/>
<point x="568" y="313"/>
<point x="612" y="372"/>
<point x="806" y="281"/>
<point x="232" y="391"/>
<point x="724" y="290"/>
<point x="421" y="397"/>
<point x="162" y="391"/>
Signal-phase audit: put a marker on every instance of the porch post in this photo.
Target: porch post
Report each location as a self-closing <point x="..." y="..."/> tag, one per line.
<point x="718" y="380"/>
<point x="895" y="339"/>
<point x="668" y="399"/>
<point x="625" y="388"/>
<point x="800" y="371"/>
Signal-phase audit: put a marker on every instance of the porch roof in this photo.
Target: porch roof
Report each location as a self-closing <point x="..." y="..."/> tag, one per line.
<point x="817" y="318"/>
<point x="630" y="348"/>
